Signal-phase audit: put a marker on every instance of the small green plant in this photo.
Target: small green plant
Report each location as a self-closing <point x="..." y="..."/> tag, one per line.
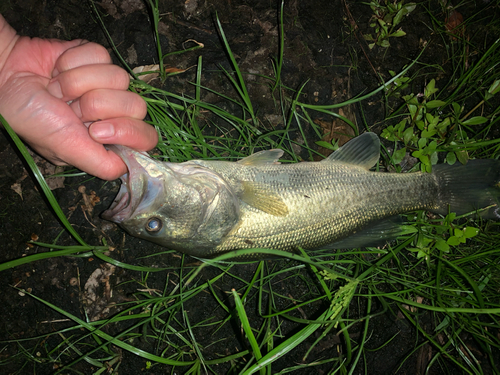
<point x="440" y="236"/>
<point x="386" y="17"/>
<point x="400" y="83"/>
<point x="429" y="128"/>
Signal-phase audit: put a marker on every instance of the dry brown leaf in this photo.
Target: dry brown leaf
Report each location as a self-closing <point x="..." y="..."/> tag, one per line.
<point x="454" y="23"/>
<point x="89" y="200"/>
<point x="17" y="188"/>
<point x="154" y="69"/>
<point x="174" y="70"/>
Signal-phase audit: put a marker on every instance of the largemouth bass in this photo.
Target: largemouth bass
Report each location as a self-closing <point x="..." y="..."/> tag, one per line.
<point x="205" y="208"/>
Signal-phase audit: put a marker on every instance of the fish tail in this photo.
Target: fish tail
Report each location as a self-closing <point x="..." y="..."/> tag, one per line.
<point x="470" y="187"/>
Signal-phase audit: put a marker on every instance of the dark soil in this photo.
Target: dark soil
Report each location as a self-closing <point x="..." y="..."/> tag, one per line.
<point x="323" y="46"/>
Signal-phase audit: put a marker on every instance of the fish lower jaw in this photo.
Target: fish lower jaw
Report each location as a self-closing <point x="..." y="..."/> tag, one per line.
<point x="119" y="210"/>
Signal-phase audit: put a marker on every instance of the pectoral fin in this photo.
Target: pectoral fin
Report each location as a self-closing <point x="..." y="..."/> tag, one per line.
<point x="262" y="157"/>
<point x="262" y="198"/>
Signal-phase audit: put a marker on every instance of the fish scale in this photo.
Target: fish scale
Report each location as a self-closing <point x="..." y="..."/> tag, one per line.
<point x="346" y="197"/>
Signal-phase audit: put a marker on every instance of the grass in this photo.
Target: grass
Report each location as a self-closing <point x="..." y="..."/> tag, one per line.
<point x="441" y="277"/>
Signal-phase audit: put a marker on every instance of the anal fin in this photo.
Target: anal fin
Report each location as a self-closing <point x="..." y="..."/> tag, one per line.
<point x="374" y="235"/>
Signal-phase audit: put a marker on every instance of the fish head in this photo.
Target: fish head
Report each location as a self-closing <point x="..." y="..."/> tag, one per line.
<point x="183" y="206"/>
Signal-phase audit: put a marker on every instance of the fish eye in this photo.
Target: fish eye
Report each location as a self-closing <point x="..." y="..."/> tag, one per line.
<point x="154" y="224"/>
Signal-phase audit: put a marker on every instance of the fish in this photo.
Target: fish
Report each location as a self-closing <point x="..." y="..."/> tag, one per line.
<point x="205" y="208"/>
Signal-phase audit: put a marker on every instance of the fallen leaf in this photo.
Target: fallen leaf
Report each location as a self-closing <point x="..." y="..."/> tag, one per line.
<point x="153" y="69"/>
<point x="89" y="200"/>
<point x="154" y="72"/>
<point x="17" y="188"/>
<point x="454" y="23"/>
<point x="174" y="70"/>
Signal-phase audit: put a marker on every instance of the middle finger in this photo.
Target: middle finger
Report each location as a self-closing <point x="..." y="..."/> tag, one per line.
<point x="73" y="83"/>
<point x="104" y="104"/>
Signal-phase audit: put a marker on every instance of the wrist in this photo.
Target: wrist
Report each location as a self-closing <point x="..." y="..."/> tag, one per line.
<point x="8" y="38"/>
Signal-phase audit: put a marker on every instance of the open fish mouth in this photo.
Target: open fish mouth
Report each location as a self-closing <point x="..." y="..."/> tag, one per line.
<point x="122" y="207"/>
<point x="133" y="189"/>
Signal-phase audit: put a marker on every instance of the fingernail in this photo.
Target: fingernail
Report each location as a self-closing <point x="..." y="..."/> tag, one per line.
<point x="55" y="89"/>
<point x="102" y="130"/>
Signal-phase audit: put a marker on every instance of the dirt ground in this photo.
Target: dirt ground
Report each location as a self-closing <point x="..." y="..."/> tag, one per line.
<point x="323" y="46"/>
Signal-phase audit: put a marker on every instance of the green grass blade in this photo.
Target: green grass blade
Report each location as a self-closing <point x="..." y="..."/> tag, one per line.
<point x="41" y="182"/>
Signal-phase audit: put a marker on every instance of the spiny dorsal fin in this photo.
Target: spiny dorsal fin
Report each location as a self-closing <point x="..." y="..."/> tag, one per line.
<point x="260" y="197"/>
<point x="263" y="157"/>
<point x="363" y="151"/>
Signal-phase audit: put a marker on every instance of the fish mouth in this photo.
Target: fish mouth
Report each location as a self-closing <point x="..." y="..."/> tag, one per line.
<point x="122" y="206"/>
<point x="137" y="189"/>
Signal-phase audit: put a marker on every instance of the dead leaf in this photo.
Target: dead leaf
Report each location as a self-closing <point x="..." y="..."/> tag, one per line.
<point x="89" y="200"/>
<point x="153" y="69"/>
<point x="454" y="23"/>
<point x="17" y="188"/>
<point x="96" y="299"/>
<point x="423" y="358"/>
<point x="174" y="70"/>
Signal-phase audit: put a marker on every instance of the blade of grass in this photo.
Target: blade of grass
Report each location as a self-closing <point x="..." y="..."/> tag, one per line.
<point x="41" y="182"/>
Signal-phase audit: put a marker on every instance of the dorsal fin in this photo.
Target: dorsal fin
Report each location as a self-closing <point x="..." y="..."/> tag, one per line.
<point x="363" y="151"/>
<point x="263" y="157"/>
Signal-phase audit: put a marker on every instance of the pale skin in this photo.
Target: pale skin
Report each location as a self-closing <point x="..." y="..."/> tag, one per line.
<point x="67" y="100"/>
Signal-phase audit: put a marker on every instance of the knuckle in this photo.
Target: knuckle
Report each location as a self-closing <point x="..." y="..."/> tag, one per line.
<point x="99" y="52"/>
<point x="91" y="104"/>
<point x="136" y="106"/>
<point x="121" y="77"/>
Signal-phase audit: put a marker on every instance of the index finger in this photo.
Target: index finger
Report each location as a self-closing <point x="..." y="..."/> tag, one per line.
<point x="85" y="53"/>
<point x="91" y="157"/>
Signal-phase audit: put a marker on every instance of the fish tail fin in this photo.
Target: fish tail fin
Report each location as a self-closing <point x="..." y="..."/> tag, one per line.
<point x="470" y="187"/>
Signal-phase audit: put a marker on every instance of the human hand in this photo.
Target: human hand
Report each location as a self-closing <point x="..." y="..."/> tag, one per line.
<point x="38" y="78"/>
